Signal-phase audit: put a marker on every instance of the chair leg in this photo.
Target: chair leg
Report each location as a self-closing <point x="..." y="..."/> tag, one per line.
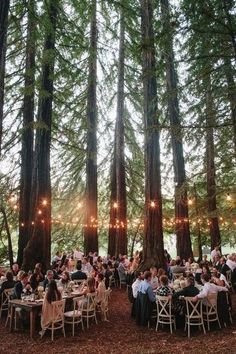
<point x="82" y="323"/>
<point x="87" y="322"/>
<point x="203" y="327"/>
<point x="63" y="330"/>
<point x="208" y="323"/>
<point x="95" y="316"/>
<point x="188" y="330"/>
<point x="73" y="328"/>
<point x="52" y="333"/>
<point x="218" y="322"/>
<point x="171" y="331"/>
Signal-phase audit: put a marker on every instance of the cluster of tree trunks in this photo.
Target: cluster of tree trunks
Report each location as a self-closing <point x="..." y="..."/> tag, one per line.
<point x="38" y="248"/>
<point x="117" y="241"/>
<point x="153" y="251"/>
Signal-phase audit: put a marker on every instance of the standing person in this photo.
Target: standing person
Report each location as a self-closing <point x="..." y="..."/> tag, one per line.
<point x="79" y="275"/>
<point x="78" y="255"/>
<point x="215" y="252"/>
<point x="53" y="294"/>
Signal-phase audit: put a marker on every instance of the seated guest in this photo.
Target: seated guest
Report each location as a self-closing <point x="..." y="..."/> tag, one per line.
<point x="8" y="283"/>
<point x="107" y="273"/>
<point x="146" y="288"/>
<point x="65" y="281"/>
<point x="15" y="269"/>
<point x="231" y="262"/>
<point x="164" y="289"/>
<point x="122" y="270"/>
<point x="57" y="257"/>
<point x="22" y="286"/>
<point x="154" y="280"/>
<point x="37" y="277"/>
<point x="49" y="277"/>
<point x="101" y="288"/>
<point x="56" y="271"/>
<point x="86" y="266"/>
<point x="189" y="291"/>
<point x="217" y="263"/>
<point x="224" y="268"/>
<point x="208" y="288"/>
<point x="52" y="294"/>
<point x="136" y="284"/>
<point x="177" y="268"/>
<point x="205" y="260"/>
<point x="219" y="278"/>
<point x="78" y="275"/>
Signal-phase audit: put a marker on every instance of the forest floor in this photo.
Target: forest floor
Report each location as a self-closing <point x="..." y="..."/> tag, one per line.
<point x="121" y="335"/>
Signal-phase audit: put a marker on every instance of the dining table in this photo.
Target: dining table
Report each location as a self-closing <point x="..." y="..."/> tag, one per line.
<point x="34" y="308"/>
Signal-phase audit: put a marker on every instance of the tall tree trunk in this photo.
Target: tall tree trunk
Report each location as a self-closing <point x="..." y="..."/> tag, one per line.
<point x="10" y="249"/>
<point x="184" y="249"/>
<point x="90" y="230"/>
<point x="39" y="246"/>
<point x="4" y="9"/>
<point x="113" y="210"/>
<point x="210" y="161"/>
<point x="228" y="7"/>
<point x="153" y="251"/>
<point x="27" y="136"/>
<point x="119" y="233"/>
<point x="231" y="95"/>
<point x="199" y="236"/>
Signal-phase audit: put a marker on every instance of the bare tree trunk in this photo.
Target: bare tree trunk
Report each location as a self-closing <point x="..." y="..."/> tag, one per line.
<point x="10" y="250"/>
<point x="4" y="9"/>
<point x="199" y="237"/>
<point x="231" y="95"/>
<point x="27" y="136"/>
<point x="210" y="160"/>
<point x="119" y="168"/>
<point x="153" y="233"/>
<point x="113" y="210"/>
<point x="184" y="249"/>
<point x="90" y="230"/>
<point x="39" y="246"/>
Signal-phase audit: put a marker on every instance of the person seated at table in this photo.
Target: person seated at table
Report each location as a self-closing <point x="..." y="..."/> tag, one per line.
<point x="37" y="277"/>
<point x="205" y="260"/>
<point x="219" y="278"/>
<point x="190" y="290"/>
<point x="52" y="294"/>
<point x="9" y="283"/>
<point x="208" y="288"/>
<point x="78" y="275"/>
<point x="65" y="281"/>
<point x="216" y="263"/>
<point x="101" y="288"/>
<point x="15" y="269"/>
<point x="22" y="286"/>
<point x="136" y="284"/>
<point x="107" y="273"/>
<point x="49" y="277"/>
<point x="146" y="288"/>
<point x="164" y="289"/>
<point x="224" y="268"/>
<point x="177" y="268"/>
<point x="154" y="280"/>
<point x="86" y="266"/>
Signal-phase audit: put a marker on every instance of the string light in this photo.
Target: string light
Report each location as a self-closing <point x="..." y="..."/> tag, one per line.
<point x="152" y="204"/>
<point x="44" y="202"/>
<point x="190" y="202"/>
<point x="115" y="205"/>
<point x="40" y="212"/>
<point x="228" y="197"/>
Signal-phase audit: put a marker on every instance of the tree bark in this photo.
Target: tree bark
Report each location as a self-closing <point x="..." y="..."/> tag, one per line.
<point x="10" y="250"/>
<point x="210" y="160"/>
<point x="199" y="236"/>
<point x="39" y="246"/>
<point x="184" y="249"/>
<point x="153" y="251"/>
<point x="27" y="136"/>
<point x="4" y="9"/>
<point x="113" y="214"/>
<point x="90" y="230"/>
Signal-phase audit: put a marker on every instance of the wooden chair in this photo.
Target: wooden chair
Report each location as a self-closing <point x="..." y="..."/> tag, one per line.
<point x="210" y="313"/>
<point x="75" y="317"/>
<point x="193" y="315"/>
<point x="103" y="307"/>
<point x="112" y="281"/>
<point x="164" y="312"/>
<point x="228" y="276"/>
<point x="57" y="317"/>
<point x="89" y="308"/>
<point x="122" y="280"/>
<point x="5" y="297"/>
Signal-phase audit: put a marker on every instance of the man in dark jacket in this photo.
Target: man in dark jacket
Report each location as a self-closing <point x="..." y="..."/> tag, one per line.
<point x="79" y="275"/>
<point x="189" y="291"/>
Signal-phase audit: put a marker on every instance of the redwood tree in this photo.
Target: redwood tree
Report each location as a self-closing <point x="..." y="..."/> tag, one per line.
<point x="153" y="251"/>
<point x="4" y="9"/>
<point x="184" y="249"/>
<point x="118" y="214"/>
<point x="90" y="229"/>
<point x="27" y="135"/>
<point x="39" y="246"/>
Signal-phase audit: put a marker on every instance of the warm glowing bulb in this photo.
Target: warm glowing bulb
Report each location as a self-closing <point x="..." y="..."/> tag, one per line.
<point x="22" y="224"/>
<point x="15" y="207"/>
<point x="32" y="223"/>
<point x="115" y="205"/>
<point x="42" y="221"/>
<point x="39" y="212"/>
<point x="190" y="202"/>
<point x="229" y="198"/>
<point x="79" y="205"/>
<point x="44" y="202"/>
<point x="152" y="204"/>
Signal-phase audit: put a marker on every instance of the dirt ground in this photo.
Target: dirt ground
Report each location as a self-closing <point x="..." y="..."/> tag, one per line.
<point x="122" y="336"/>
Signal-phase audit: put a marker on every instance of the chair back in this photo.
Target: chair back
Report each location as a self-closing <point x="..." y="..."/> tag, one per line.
<point x="193" y="309"/>
<point x="212" y="300"/>
<point x="228" y="275"/>
<point x="58" y="308"/>
<point x="90" y="304"/>
<point x="6" y="294"/>
<point x="164" y="307"/>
